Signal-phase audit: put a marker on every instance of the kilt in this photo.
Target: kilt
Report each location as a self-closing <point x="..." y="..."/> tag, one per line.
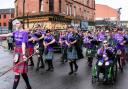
<point x="30" y="51"/>
<point x="64" y="52"/>
<point x="49" y="55"/>
<point x="23" y="67"/>
<point x="72" y="54"/>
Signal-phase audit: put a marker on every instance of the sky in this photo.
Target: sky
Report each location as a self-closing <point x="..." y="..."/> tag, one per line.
<point x="117" y="4"/>
<point x="112" y="3"/>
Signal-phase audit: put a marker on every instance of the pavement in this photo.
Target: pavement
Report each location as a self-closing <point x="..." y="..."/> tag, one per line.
<point x="59" y="79"/>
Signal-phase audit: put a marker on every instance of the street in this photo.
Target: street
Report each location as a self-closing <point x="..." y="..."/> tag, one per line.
<point x="59" y="79"/>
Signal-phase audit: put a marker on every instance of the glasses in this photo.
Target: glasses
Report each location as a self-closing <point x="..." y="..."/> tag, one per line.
<point x="105" y="43"/>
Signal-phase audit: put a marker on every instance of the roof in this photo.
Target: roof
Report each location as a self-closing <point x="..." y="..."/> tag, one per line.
<point x="104" y="11"/>
<point x="5" y="11"/>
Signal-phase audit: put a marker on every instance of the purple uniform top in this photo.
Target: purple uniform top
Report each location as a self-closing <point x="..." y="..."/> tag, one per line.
<point x="20" y="36"/>
<point x="70" y="37"/>
<point x="101" y="37"/>
<point x="118" y="37"/>
<point x="86" y="39"/>
<point x="48" y="39"/>
<point x="102" y="52"/>
<point x="30" y="43"/>
<point x="62" y="39"/>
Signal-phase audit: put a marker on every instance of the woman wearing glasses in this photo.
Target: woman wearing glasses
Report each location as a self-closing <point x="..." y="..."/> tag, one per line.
<point x="21" y="39"/>
<point x="105" y="59"/>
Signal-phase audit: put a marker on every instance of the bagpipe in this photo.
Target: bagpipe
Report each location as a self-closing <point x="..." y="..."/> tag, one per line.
<point x="20" y="62"/>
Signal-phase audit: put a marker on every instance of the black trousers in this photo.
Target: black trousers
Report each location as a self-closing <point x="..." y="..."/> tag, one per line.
<point x="40" y="58"/>
<point x="10" y="46"/>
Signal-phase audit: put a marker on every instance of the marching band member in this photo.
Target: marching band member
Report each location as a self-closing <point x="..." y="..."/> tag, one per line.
<point x="39" y="39"/>
<point x="71" y="51"/>
<point x="21" y="40"/>
<point x="48" y="42"/>
<point x="63" y="46"/>
<point x="30" y="47"/>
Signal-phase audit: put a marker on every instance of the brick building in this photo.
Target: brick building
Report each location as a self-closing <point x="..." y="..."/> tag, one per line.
<point x="55" y="14"/>
<point x="5" y="16"/>
<point x="106" y="15"/>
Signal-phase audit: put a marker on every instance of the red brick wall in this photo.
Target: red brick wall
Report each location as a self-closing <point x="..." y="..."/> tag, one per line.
<point x="33" y="5"/>
<point x="4" y="20"/>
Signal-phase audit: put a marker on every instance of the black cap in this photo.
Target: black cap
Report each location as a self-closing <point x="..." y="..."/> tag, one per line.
<point x="70" y="26"/>
<point x="48" y="31"/>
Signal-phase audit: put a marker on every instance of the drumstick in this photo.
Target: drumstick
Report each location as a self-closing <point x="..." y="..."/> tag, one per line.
<point x="15" y="65"/>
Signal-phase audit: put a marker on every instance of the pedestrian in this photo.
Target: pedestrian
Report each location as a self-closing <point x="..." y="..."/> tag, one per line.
<point x="90" y="46"/>
<point x="39" y="39"/>
<point x="10" y="43"/>
<point x="71" y="50"/>
<point x="21" y="39"/>
<point x="63" y="45"/>
<point x="49" y="40"/>
<point x="31" y="43"/>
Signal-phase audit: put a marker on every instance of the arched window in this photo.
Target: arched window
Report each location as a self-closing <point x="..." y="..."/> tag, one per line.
<point x="41" y="5"/>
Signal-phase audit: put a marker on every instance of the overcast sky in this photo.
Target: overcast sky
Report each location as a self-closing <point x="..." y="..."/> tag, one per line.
<point x="113" y="3"/>
<point x="117" y="4"/>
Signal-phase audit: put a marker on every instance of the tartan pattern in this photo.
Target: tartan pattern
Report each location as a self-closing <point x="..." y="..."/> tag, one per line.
<point x="64" y="52"/>
<point x="23" y="67"/>
<point x="30" y="51"/>
<point x="49" y="55"/>
<point x="72" y="55"/>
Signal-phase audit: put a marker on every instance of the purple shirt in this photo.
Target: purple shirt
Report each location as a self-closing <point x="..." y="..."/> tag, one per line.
<point x="62" y="39"/>
<point x="20" y="36"/>
<point x="30" y="43"/>
<point x="70" y="37"/>
<point x="119" y="37"/>
<point x="48" y="39"/>
<point x="101" y="37"/>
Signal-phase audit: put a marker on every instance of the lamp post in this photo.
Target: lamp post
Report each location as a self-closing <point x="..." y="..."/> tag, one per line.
<point x="119" y="14"/>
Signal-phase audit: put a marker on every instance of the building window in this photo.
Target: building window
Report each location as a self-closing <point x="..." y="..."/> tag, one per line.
<point x="80" y="11"/>
<point x="51" y="6"/>
<point x="70" y="9"/>
<point x="60" y="6"/>
<point x="84" y="13"/>
<point x="74" y="11"/>
<point x="67" y="9"/>
<point x="41" y="5"/>
<point x="5" y="24"/>
<point x="12" y="15"/>
<point x="4" y="16"/>
<point x="88" y="2"/>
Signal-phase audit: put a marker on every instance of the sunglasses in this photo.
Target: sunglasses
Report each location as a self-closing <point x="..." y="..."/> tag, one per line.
<point x="105" y="43"/>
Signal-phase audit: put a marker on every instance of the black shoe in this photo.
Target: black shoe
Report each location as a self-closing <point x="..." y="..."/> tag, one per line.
<point x="52" y="69"/>
<point x="76" y="69"/>
<point x="31" y="65"/>
<point x="37" y="69"/>
<point x="29" y="88"/>
<point x="48" y="69"/>
<point x="41" y="67"/>
<point x="70" y="73"/>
